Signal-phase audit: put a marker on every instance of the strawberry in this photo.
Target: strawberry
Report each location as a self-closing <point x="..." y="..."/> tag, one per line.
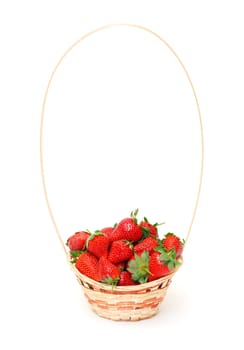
<point x="139" y="267"/>
<point x="162" y="262"/>
<point x="107" y="231"/>
<point x="77" y="241"/>
<point x="127" y="229"/>
<point x="97" y="244"/>
<point x="157" y="267"/>
<point x="148" y="268"/>
<point x="147" y="244"/>
<point x="120" y="251"/>
<point x="121" y="265"/>
<point x="171" y="241"/>
<point x="125" y="279"/>
<point x="149" y="229"/>
<point x="88" y="265"/>
<point x="107" y="272"/>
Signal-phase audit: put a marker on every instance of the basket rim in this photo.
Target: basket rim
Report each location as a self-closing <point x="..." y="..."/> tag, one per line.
<point x="133" y="288"/>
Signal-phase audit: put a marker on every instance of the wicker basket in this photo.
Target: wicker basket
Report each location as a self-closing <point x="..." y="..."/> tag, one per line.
<point x="130" y="303"/>
<point x="121" y="303"/>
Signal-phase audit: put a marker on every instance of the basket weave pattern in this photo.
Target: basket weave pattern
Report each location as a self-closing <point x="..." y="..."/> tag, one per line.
<point x="130" y="303"/>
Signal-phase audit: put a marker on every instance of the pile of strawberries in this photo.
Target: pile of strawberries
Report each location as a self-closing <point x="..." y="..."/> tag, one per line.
<point x="127" y="254"/>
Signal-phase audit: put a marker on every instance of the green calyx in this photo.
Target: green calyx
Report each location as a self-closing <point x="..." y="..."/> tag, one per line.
<point x="169" y="234"/>
<point x="129" y="243"/>
<point x="74" y="255"/>
<point x="156" y="223"/>
<point x="168" y="257"/>
<point x="145" y="232"/>
<point x="139" y="268"/>
<point x="111" y="281"/>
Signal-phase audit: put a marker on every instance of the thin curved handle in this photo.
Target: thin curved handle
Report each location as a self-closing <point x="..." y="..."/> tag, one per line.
<point x="43" y="112"/>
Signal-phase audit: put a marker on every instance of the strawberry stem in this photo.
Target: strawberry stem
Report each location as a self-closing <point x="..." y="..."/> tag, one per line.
<point x="133" y="215"/>
<point x="157" y="224"/>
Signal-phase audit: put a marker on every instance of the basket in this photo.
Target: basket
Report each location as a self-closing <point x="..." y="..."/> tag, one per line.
<point x="130" y="303"/>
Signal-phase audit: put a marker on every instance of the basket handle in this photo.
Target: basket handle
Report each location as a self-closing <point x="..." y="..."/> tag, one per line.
<point x="43" y="112"/>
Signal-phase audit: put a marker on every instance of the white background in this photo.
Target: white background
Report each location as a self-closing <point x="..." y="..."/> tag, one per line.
<point x="41" y="303"/>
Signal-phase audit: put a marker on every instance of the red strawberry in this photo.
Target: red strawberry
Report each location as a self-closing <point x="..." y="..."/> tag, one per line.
<point x="97" y="243"/>
<point x="107" y="272"/>
<point x="120" y="251"/>
<point x="126" y="279"/>
<point x="172" y="241"/>
<point x="157" y="267"/>
<point x="149" y="229"/>
<point x="147" y="244"/>
<point x="127" y="229"/>
<point x="77" y="241"/>
<point x="88" y="265"/>
<point x="121" y="265"/>
<point x="107" y="231"/>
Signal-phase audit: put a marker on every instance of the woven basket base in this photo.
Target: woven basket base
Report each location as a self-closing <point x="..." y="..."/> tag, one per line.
<point x="130" y="303"/>
<point x="119" y="315"/>
<point x="128" y="310"/>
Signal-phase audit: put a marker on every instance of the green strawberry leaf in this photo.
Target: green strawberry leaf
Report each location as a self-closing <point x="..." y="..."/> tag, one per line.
<point x="139" y="268"/>
<point x="133" y="215"/>
<point x="110" y="281"/>
<point x="145" y="233"/>
<point x="76" y="253"/>
<point x="157" y="224"/>
<point x="168" y="258"/>
<point x="169" y="234"/>
<point x="160" y="248"/>
<point x="143" y="279"/>
<point x="169" y="255"/>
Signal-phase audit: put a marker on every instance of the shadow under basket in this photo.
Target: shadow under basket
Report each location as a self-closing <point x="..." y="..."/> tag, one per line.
<point x="130" y="303"/>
